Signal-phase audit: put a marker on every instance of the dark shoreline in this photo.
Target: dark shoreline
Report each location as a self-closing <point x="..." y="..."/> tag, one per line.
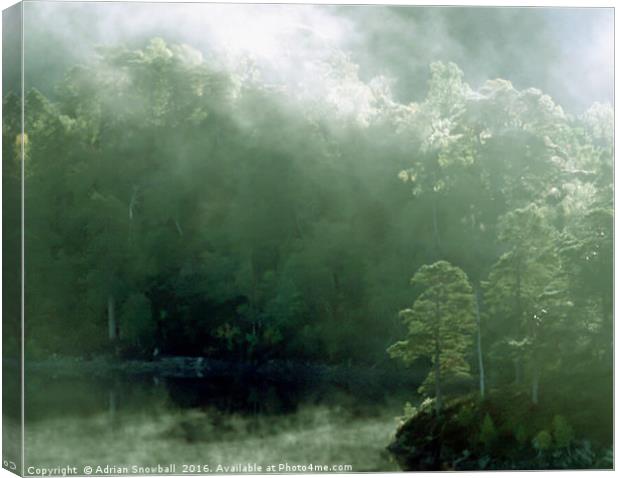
<point x="287" y="371"/>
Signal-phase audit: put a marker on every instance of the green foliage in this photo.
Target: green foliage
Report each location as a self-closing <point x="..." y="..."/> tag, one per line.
<point x="542" y="441"/>
<point x="409" y="411"/>
<point x="605" y="460"/>
<point x="583" y="456"/>
<point x="136" y="314"/>
<point x="228" y="333"/>
<point x="563" y="433"/>
<point x="466" y="415"/>
<point x="440" y="323"/>
<point x="520" y="434"/>
<point x="232" y="219"/>
<point x="488" y="433"/>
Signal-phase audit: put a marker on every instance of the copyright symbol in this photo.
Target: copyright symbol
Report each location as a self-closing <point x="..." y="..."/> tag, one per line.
<point x="88" y="470"/>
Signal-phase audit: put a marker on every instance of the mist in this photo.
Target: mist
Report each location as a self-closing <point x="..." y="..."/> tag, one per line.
<point x="566" y="52"/>
<point x="382" y="235"/>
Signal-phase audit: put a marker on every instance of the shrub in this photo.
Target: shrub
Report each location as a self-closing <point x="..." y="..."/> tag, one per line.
<point x="520" y="434"/>
<point x="466" y="415"/>
<point x="542" y="441"/>
<point x="488" y="433"/>
<point x="583" y="456"/>
<point x="563" y="433"/>
<point x="409" y="411"/>
<point x="427" y="404"/>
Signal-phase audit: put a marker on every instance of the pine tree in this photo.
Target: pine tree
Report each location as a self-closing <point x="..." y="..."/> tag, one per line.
<point x="440" y="325"/>
<point x="526" y="292"/>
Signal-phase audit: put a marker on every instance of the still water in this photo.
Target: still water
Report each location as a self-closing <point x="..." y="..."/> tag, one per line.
<point x="199" y="422"/>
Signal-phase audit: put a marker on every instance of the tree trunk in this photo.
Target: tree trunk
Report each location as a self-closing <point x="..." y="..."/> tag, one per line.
<point x="436" y="237"/>
<point x="518" y="374"/>
<point x="132" y="202"/>
<point x="112" y="327"/>
<point x="518" y="303"/>
<point x="480" y="361"/>
<point x="178" y="226"/>
<point x="519" y="317"/>
<point x="437" y="365"/>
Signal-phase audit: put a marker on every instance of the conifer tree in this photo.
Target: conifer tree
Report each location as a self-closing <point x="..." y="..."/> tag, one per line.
<point x="440" y="325"/>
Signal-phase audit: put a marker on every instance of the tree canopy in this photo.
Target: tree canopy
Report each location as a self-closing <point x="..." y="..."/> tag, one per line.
<point x="180" y="205"/>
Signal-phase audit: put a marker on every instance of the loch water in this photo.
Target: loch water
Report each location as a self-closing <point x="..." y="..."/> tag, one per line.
<point x="206" y="424"/>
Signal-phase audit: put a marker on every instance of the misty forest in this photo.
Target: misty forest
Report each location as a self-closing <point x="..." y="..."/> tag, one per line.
<point x="327" y="261"/>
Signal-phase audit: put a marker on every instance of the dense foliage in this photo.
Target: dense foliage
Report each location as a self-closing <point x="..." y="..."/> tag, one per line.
<point x="501" y="432"/>
<point x="179" y="206"/>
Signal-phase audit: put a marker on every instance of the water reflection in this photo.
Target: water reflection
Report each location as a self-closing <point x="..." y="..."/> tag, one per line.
<point x="149" y="420"/>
